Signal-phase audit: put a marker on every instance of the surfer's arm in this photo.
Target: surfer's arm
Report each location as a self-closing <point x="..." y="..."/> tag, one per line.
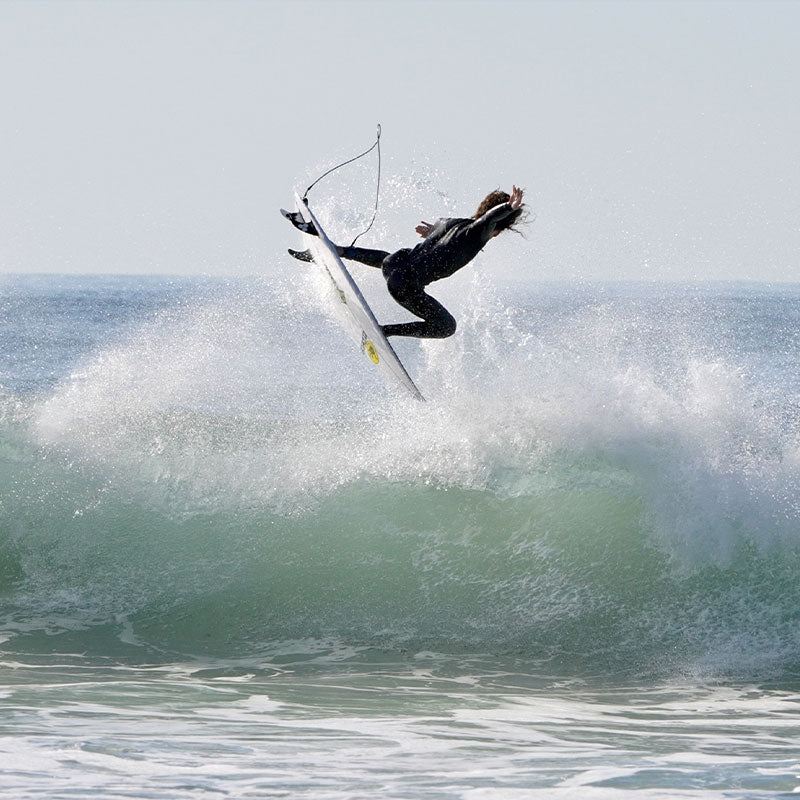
<point x="488" y="222"/>
<point x="438" y="229"/>
<point x="493" y="216"/>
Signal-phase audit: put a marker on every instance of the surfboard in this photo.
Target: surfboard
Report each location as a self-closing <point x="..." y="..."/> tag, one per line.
<point x="355" y="315"/>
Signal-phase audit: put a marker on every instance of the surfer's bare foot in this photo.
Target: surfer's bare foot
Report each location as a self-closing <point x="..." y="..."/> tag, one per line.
<point x="301" y="255"/>
<point x="297" y="220"/>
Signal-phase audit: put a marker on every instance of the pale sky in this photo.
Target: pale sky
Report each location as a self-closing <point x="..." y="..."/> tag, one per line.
<point x="655" y="140"/>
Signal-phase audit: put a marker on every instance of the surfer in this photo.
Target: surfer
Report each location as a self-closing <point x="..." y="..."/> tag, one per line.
<point x="449" y="244"/>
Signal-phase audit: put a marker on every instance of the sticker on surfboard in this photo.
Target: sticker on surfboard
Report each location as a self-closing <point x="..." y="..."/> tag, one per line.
<point x="369" y="348"/>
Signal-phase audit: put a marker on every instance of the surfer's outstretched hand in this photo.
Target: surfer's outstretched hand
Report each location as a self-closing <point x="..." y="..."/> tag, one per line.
<point x="424" y="229"/>
<point x="515" y="201"/>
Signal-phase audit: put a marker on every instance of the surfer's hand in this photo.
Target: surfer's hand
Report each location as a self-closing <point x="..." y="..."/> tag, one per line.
<point x="515" y="201"/>
<point x="424" y="229"/>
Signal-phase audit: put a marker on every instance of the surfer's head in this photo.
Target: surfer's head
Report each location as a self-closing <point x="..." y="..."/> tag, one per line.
<point x="493" y="199"/>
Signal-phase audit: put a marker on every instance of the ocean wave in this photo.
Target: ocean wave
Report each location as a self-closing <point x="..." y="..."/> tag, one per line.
<point x="600" y="485"/>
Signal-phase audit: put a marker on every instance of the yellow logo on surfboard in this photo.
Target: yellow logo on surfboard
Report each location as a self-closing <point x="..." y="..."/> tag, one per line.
<point x="369" y="348"/>
<point x="371" y="351"/>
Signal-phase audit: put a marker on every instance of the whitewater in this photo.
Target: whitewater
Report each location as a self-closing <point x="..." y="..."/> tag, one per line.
<point x="235" y="563"/>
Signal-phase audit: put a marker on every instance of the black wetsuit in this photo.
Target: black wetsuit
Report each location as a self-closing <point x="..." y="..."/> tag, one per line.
<point x="451" y="245"/>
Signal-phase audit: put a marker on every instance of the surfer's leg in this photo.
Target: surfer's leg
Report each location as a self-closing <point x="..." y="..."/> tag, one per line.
<point x="437" y="321"/>
<point x="372" y="258"/>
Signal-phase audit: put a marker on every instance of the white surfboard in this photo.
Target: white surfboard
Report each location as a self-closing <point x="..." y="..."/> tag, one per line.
<point x="356" y="318"/>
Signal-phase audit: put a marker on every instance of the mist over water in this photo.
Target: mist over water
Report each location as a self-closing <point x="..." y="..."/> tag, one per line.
<point x="604" y="479"/>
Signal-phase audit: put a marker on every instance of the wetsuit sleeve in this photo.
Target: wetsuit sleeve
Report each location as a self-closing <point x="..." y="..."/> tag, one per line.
<point x="440" y="227"/>
<point x="488" y="222"/>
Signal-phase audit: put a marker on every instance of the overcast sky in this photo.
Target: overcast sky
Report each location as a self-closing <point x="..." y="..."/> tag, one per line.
<point x="654" y="139"/>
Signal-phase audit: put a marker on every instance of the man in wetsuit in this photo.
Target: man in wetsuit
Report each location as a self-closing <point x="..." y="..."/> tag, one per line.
<point x="448" y="245"/>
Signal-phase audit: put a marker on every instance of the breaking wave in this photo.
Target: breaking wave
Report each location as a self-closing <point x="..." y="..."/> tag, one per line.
<point x="602" y="479"/>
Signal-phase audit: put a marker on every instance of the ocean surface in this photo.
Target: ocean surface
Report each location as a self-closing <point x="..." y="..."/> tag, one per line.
<point x="234" y="563"/>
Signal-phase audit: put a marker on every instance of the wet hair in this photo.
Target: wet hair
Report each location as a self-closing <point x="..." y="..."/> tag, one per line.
<point x="493" y="199"/>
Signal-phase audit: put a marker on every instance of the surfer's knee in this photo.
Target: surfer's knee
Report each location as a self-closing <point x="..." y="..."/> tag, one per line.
<point x="445" y="327"/>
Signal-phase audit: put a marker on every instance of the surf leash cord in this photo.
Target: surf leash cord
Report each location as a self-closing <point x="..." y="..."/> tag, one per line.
<point x="377" y="144"/>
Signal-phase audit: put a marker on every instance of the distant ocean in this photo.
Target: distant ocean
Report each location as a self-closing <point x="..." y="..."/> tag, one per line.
<point x="235" y="564"/>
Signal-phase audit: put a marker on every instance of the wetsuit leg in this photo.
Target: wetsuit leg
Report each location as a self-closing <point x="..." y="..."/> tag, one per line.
<point x="437" y="321"/>
<point x="372" y="258"/>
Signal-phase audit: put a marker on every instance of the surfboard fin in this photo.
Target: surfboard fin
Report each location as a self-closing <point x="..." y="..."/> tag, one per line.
<point x="297" y="220"/>
<point x="301" y="255"/>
